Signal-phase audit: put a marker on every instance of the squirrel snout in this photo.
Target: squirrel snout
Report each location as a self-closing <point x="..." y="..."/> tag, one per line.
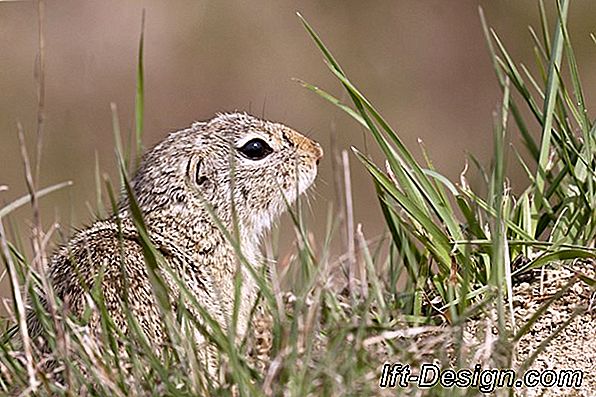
<point x="305" y="144"/>
<point x="312" y="148"/>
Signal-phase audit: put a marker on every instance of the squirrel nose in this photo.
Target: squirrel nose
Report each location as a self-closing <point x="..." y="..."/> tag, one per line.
<point x="318" y="151"/>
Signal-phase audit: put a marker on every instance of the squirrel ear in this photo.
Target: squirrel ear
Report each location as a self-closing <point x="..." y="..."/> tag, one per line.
<point x="195" y="172"/>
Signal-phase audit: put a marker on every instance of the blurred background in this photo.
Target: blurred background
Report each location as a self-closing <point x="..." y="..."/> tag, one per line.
<point x="424" y="64"/>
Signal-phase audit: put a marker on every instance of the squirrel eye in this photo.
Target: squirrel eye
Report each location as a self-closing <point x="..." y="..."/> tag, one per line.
<point x="256" y="149"/>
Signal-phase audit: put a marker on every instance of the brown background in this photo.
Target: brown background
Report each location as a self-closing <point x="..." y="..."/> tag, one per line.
<point x="423" y="63"/>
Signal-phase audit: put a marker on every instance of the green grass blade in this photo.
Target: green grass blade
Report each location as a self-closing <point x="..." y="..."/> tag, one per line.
<point x="552" y="87"/>
<point x="560" y="255"/>
<point x="333" y="100"/>
<point x="140" y="97"/>
<point x="544" y="26"/>
<point x="528" y="139"/>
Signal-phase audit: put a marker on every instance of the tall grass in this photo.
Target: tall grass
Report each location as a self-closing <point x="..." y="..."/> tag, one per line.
<point x="449" y="258"/>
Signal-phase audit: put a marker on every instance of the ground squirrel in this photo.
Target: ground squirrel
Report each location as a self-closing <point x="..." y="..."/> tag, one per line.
<point x="178" y="179"/>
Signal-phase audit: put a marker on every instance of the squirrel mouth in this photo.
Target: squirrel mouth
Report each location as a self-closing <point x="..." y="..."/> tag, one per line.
<point x="306" y="179"/>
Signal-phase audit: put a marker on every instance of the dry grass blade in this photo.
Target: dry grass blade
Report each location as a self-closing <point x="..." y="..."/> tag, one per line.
<point x="352" y="272"/>
<point x="12" y="206"/>
<point x="41" y="89"/>
<point x="19" y="302"/>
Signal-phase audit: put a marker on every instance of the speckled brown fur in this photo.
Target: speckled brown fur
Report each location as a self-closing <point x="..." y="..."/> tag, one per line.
<point x="176" y="178"/>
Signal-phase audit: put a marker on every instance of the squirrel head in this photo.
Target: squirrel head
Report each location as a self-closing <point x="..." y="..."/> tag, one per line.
<point x="196" y="172"/>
